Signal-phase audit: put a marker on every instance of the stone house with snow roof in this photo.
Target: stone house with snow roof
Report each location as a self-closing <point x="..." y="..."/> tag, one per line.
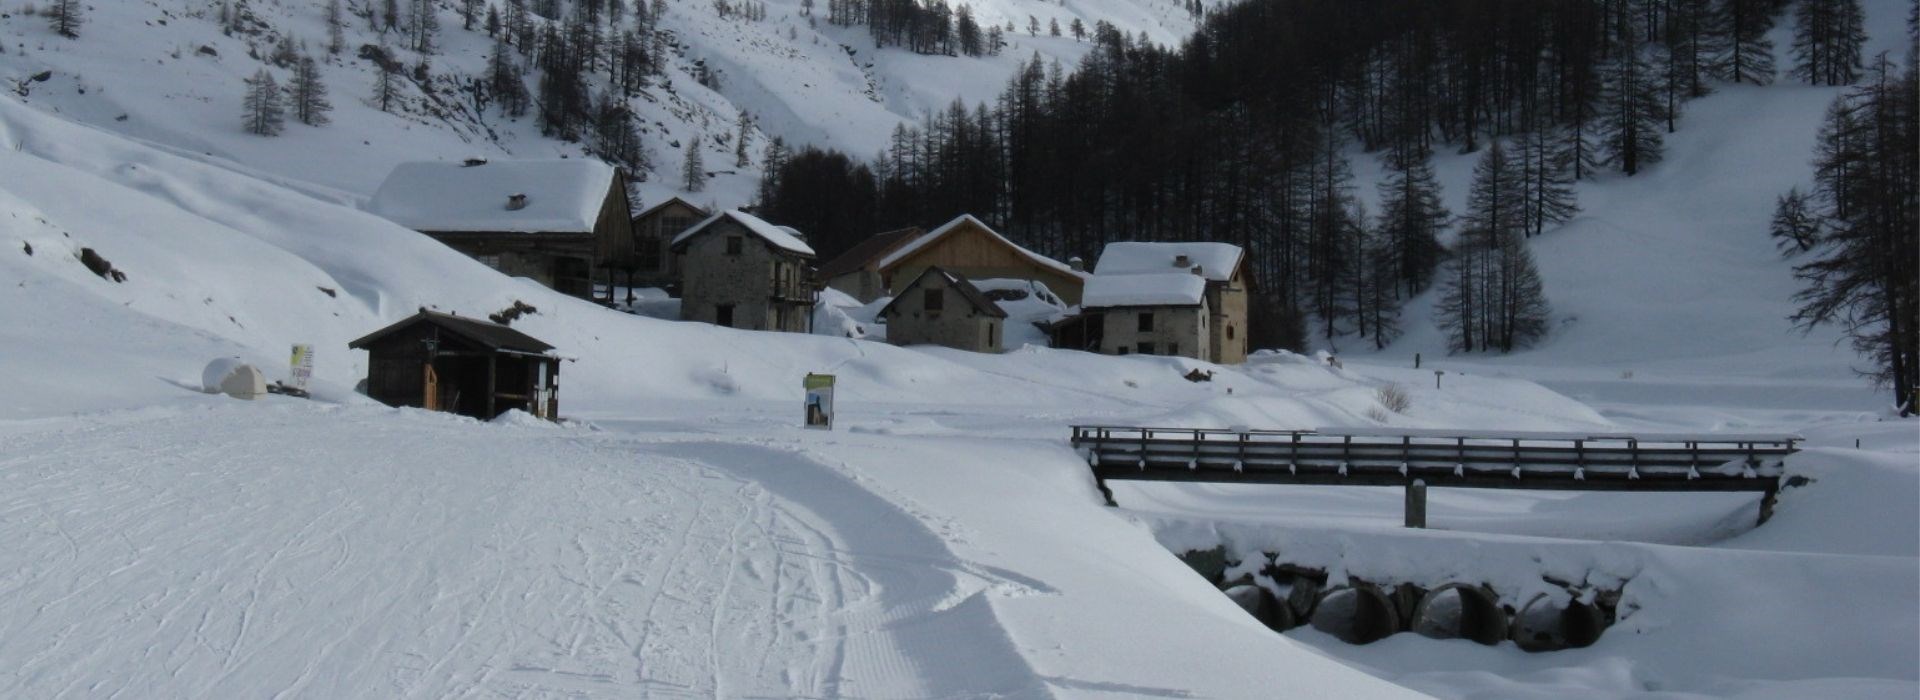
<point x="563" y="223"/>
<point x="942" y="308"/>
<point x="1154" y="313"/>
<point x="739" y="271"/>
<point x="968" y="247"/>
<point x="1222" y="265"/>
<point x="653" y="232"/>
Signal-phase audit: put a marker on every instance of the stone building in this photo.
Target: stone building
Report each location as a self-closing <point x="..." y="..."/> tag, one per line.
<point x="563" y="223"/>
<point x="653" y="234"/>
<point x="1222" y="265"/>
<point x="857" y="271"/>
<point x="1159" y="313"/>
<point x="942" y="308"/>
<point x="739" y="271"/>
<point x="968" y="247"/>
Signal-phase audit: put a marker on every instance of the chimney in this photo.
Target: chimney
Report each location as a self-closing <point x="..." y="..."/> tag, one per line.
<point x="1182" y="261"/>
<point x="516" y="202"/>
<point x="1199" y="270"/>
<point x="1079" y="264"/>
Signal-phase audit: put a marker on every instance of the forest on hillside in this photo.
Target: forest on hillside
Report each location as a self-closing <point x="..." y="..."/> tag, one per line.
<point x="1242" y="134"/>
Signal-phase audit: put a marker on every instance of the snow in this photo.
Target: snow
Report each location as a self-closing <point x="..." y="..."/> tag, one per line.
<point x="681" y="536"/>
<point x="560" y="196"/>
<point x="1144" y="289"/>
<point x="1036" y="304"/>
<point x="781" y="237"/>
<point x="1217" y="261"/>
<point x="928" y="238"/>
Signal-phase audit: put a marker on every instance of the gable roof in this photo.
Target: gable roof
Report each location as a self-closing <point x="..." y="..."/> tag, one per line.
<point x="698" y="210"/>
<point x="780" y="237"/>
<point x="1145" y="289"/>
<point x="922" y="243"/>
<point x="867" y="252"/>
<point x="1218" y="261"/>
<point x="970" y="293"/>
<point x="562" y="196"/>
<point x="486" y="333"/>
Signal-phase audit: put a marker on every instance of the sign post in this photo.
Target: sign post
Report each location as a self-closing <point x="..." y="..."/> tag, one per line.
<point x="300" y="374"/>
<point x="819" y="404"/>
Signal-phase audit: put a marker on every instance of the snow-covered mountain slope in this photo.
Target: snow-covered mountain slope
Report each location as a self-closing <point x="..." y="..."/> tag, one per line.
<point x="163" y="71"/>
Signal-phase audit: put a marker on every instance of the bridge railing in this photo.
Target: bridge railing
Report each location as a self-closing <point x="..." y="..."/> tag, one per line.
<point x="1448" y="458"/>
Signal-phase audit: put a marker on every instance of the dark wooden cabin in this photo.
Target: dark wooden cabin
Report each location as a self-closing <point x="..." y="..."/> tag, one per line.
<point x="442" y="362"/>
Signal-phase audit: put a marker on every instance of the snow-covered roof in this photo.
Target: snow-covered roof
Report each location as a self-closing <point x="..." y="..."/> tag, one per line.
<point x="781" y="237"/>
<point x="562" y="196"/>
<point x="921" y="243"/>
<point x="1216" y="260"/>
<point x="1145" y="289"/>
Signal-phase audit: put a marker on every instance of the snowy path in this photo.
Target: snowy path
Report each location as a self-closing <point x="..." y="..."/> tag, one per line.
<point x="352" y="553"/>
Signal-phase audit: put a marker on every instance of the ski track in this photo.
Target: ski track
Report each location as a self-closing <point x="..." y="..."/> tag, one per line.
<point x="419" y="556"/>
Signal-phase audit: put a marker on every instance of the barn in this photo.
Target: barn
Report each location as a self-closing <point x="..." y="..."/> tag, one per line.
<point x="442" y="362"/>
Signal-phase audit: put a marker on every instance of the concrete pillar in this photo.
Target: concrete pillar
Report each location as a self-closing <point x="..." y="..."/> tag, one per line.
<point x="1416" y="509"/>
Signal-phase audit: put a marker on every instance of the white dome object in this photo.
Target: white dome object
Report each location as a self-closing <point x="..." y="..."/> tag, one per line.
<point x="230" y="376"/>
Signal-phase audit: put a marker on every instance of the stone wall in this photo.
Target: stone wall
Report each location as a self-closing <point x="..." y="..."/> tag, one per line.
<point x="749" y="281"/>
<point x="1177" y="330"/>
<point x="957" y="325"/>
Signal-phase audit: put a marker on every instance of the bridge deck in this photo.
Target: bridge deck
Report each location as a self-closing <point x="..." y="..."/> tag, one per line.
<point x="1417" y="459"/>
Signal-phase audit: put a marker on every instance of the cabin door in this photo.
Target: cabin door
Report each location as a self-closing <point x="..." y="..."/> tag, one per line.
<point x="431" y="382"/>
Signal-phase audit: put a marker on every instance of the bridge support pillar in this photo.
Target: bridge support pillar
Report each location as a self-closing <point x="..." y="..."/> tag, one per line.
<point x="1416" y="509"/>
<point x="1767" y="501"/>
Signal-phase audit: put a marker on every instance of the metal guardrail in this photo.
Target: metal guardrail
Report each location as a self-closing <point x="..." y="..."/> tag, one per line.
<point x="1416" y="459"/>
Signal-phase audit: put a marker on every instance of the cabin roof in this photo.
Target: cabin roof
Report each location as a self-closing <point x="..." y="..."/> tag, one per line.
<point x="924" y="242"/>
<point x="488" y="334"/>
<point x="1217" y="261"/>
<point x="970" y="293"/>
<point x="562" y="196"/>
<point x="1145" y="289"/>
<point x="697" y="209"/>
<point x="867" y="252"/>
<point x="781" y="237"/>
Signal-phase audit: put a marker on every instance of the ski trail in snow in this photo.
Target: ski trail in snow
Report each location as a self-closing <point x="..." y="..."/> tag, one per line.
<point x="291" y="553"/>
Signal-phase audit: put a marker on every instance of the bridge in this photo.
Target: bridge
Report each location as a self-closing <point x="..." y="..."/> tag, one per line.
<point x="1416" y="459"/>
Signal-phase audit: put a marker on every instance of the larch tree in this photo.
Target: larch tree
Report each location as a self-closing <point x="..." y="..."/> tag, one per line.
<point x="310" y="104"/>
<point x="1827" y="39"/>
<point x="65" y="17"/>
<point x="263" y="108"/>
<point x="693" y="172"/>
<point x="1631" y="113"/>
<point x="336" y="28"/>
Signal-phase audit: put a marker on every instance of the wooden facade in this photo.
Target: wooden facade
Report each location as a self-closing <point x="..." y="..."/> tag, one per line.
<point x="969" y="248"/>
<point x="857" y="271"/>
<point x="655" y="265"/>
<point x="472" y="367"/>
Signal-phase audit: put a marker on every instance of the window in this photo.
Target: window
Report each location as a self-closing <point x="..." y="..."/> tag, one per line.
<point x="933" y="299"/>
<point x="1229" y="331"/>
<point x="723" y="315"/>
<point x="989" y="335"/>
<point x="735" y="244"/>
<point x="1124" y="350"/>
<point x="1145" y="349"/>
<point x="492" y="261"/>
<point x="1146" y="322"/>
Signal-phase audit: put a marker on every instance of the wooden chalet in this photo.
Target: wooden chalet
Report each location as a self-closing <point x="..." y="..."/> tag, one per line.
<point x="857" y="271"/>
<point x="564" y="223"/>
<point x="655" y="265"/>
<point x="968" y="247"/>
<point x="473" y="367"/>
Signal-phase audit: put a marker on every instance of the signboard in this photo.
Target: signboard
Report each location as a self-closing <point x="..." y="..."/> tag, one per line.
<point x="819" y="401"/>
<point x="301" y="373"/>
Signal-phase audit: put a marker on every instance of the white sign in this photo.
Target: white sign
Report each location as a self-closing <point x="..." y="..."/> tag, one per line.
<point x="301" y="373"/>
<point x="819" y="401"/>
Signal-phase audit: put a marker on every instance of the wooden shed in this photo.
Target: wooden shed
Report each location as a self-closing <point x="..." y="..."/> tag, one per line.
<point x="442" y="362"/>
<point x="967" y="246"/>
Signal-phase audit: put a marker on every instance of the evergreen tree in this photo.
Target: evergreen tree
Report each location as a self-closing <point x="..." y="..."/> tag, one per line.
<point x="1491" y="296"/>
<point x="493" y="21"/>
<point x="1547" y="182"/>
<point x="1797" y="226"/>
<point x="1749" y="53"/>
<point x="336" y="28"/>
<point x="615" y="138"/>
<point x="426" y="27"/>
<point x="469" y="9"/>
<point x="772" y="162"/>
<point x="264" y="109"/>
<point x="1521" y="297"/>
<point x="1631" y="112"/>
<point x="1864" y="272"/>
<point x="65" y="17"/>
<point x="505" y="80"/>
<point x="1411" y="219"/>
<point x="742" y="142"/>
<point x="693" y="172"/>
<point x="310" y="104"/>
<point x="389" y="15"/>
<point x="1827" y="36"/>
<point x="386" y="88"/>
